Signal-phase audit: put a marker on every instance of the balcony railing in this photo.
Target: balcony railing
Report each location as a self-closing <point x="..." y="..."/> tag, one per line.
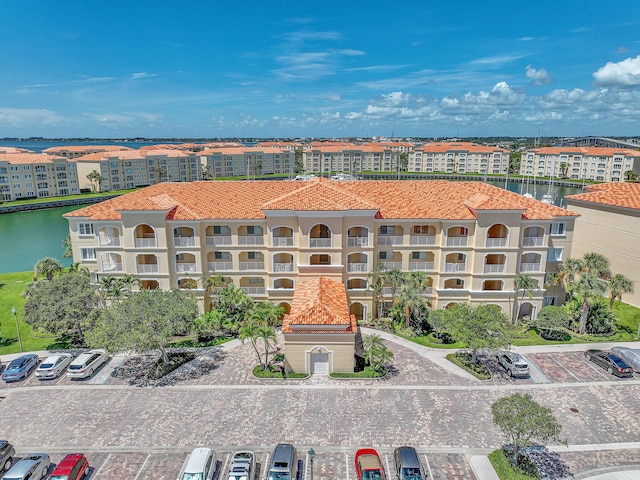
<point x="283" y="267"/>
<point x="357" y="241"/>
<point x="420" y="266"/>
<point x="112" y="267"/>
<point x="147" y="268"/>
<point x="357" y="267"/>
<point x="422" y="240"/>
<point x="387" y="290"/>
<point x="390" y="240"/>
<point x="282" y="241"/>
<point x="216" y="240"/>
<point x="219" y="266"/>
<point x="254" y="290"/>
<point x="320" y="243"/>
<point x="145" y="242"/>
<point x="250" y="240"/>
<point x="109" y="241"/>
<point x="532" y="241"/>
<point x="457" y="241"/>
<point x="530" y="267"/>
<point x="184" y="241"/>
<point x="185" y="267"/>
<point x="494" y="268"/>
<point x="496" y="242"/>
<point x="251" y="265"/>
<point x="455" y="267"/>
<point x="391" y="265"/>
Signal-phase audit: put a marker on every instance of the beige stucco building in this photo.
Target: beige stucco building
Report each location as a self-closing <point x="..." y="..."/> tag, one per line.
<point x="471" y="239"/>
<point x="609" y="224"/>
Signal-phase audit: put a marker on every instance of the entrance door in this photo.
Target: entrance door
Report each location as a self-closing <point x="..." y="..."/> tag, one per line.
<point x="319" y="363"/>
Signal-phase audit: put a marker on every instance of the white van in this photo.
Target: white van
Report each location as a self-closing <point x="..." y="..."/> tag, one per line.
<point x="199" y="465"/>
<point x="284" y="464"/>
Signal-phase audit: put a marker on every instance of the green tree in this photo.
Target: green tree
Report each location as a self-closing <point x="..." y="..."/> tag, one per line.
<point x="411" y="300"/>
<point x="111" y="289"/>
<point x="479" y="328"/>
<point x="66" y="302"/>
<point x="630" y="176"/>
<point x="522" y="422"/>
<point x="568" y="273"/>
<point x="48" y="267"/>
<point x="376" y="284"/>
<point x="209" y="325"/>
<point x="618" y="285"/>
<point x="597" y="265"/>
<point x="590" y="288"/>
<point x="96" y="180"/>
<point x="403" y="163"/>
<point x="267" y="313"/>
<point x="235" y="304"/>
<point x="552" y="318"/>
<point x="146" y="320"/>
<point x="250" y="331"/>
<point x="376" y="353"/>
<point x="66" y="244"/>
<point x="268" y="336"/>
<point x="525" y="284"/>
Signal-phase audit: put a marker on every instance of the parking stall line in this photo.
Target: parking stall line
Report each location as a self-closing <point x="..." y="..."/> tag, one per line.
<point x="566" y="369"/>
<point x="266" y="467"/>
<point x="386" y="460"/>
<point x="142" y="467"/>
<point x="224" y="466"/>
<point x="101" y="466"/>
<point x="346" y="464"/>
<point x="426" y="460"/>
<point x="595" y="368"/>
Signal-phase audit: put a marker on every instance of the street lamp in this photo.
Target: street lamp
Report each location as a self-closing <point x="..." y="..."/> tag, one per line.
<point x="311" y="454"/>
<point x="15" y="315"/>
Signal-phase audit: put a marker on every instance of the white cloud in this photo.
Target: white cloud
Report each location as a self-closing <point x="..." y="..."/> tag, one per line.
<point x="538" y="76"/>
<point x="142" y="75"/>
<point x="28" y="117"/>
<point x="621" y="74"/>
<point x="498" y="60"/>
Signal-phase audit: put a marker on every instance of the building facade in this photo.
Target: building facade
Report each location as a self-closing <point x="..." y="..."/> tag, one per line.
<point x="458" y="157"/>
<point x="243" y="161"/>
<point x="470" y="239"/>
<point x="580" y="163"/>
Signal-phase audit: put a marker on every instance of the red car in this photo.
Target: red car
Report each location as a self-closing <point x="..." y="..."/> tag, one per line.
<point x="72" y="467"/>
<point x="368" y="465"/>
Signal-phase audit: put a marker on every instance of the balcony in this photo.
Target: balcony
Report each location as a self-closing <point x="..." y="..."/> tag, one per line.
<point x="455" y="267"/>
<point x="217" y="240"/>
<point x="254" y="290"/>
<point x="391" y="265"/>
<point x="320" y="243"/>
<point x="283" y="241"/>
<point x="496" y="242"/>
<point x="184" y="241"/>
<point x="422" y="240"/>
<point x="283" y="267"/>
<point x="530" y="267"/>
<point x="147" y="268"/>
<point x="219" y="266"/>
<point x="145" y="242"/>
<point x="185" y="267"/>
<point x="251" y="265"/>
<point x="532" y="241"/>
<point x="357" y="267"/>
<point x="109" y="241"/>
<point x="250" y="240"/>
<point x="457" y="241"/>
<point x="390" y="240"/>
<point x="494" y="268"/>
<point x="420" y="266"/>
<point x="357" y="241"/>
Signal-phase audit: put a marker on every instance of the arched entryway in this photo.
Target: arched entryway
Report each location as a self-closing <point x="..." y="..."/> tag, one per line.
<point x="319" y="360"/>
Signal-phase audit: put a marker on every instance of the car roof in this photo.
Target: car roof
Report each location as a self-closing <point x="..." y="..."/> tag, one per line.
<point x="83" y="357"/>
<point x="3" y="443"/>
<point x="408" y="457"/>
<point x="197" y="459"/>
<point x="21" y="467"/>
<point x="53" y="358"/>
<point x="67" y="463"/>
<point x="22" y="359"/>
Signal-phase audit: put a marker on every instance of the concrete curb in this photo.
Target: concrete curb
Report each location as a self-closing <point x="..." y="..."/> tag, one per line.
<point x="482" y="468"/>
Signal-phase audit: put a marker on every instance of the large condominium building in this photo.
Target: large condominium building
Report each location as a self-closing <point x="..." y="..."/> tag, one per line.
<point x="341" y="157"/>
<point x="471" y="239"/>
<point x="248" y="161"/>
<point x="458" y="157"/>
<point x="36" y="175"/>
<point x="75" y="151"/>
<point x="580" y="163"/>
<point x="609" y="224"/>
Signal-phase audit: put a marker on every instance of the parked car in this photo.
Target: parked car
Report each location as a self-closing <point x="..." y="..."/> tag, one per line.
<point x="514" y="363"/>
<point x="72" y="467"/>
<point x="408" y="465"/>
<point x="368" y="465"/>
<point x="20" y="367"/>
<point x="243" y="466"/>
<point x="610" y="362"/>
<point x="6" y="455"/>
<point x="631" y="356"/>
<point x="87" y="363"/>
<point x="54" y="365"/>
<point x="284" y="463"/>
<point x="199" y="465"/>
<point x="32" y="467"/>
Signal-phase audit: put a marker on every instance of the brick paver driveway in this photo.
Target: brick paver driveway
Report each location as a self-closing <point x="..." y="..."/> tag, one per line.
<point x="145" y="433"/>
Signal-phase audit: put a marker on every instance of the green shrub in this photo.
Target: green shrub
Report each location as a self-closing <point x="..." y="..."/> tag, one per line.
<point x="368" y="372"/>
<point x="273" y="372"/>
<point x="503" y="467"/>
<point x="463" y="360"/>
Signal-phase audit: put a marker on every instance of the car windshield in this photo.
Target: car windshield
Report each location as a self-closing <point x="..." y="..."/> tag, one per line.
<point x="372" y="475"/>
<point x="278" y="475"/>
<point x="619" y="363"/>
<point x="46" y="365"/>
<point x="411" y="474"/>
<point x="59" y="477"/>
<point x="75" y="367"/>
<point x="193" y="476"/>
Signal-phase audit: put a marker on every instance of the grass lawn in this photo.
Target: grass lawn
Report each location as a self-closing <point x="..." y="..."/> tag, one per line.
<point x="66" y="197"/>
<point x="504" y="469"/>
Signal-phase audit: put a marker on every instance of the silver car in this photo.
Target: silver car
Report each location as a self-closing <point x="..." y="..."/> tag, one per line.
<point x="243" y="466"/>
<point x="87" y="363"/>
<point x="32" y="467"/>
<point x="514" y="363"/>
<point x="631" y="356"/>
<point x="200" y="465"/>
<point x="54" y="365"/>
<point x="6" y="455"/>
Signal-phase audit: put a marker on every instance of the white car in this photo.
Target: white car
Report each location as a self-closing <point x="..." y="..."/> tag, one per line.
<point x="243" y="466"/>
<point x="54" y="365"/>
<point x="200" y="465"/>
<point x="87" y="363"/>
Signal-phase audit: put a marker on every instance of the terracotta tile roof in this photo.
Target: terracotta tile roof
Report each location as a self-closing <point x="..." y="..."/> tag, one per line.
<point x="405" y="199"/>
<point x="586" y="151"/>
<point x="317" y="303"/>
<point x="86" y="148"/>
<point x="120" y="154"/>
<point x="27" y="158"/>
<point x="437" y="147"/>
<point x="14" y="150"/>
<point x="625" y="195"/>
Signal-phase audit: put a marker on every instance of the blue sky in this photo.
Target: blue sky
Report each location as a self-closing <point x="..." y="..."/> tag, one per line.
<point x="305" y="68"/>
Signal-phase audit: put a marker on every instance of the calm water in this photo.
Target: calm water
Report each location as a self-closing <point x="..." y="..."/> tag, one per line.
<point x="27" y="237"/>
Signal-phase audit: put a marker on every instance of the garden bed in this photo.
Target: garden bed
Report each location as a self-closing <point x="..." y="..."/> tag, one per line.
<point x="463" y="360"/>
<point x="142" y="370"/>
<point x="368" y="372"/>
<point x="275" y="372"/>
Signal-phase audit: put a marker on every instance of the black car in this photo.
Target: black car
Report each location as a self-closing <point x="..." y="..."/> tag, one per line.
<point x="408" y="465"/>
<point x="610" y="362"/>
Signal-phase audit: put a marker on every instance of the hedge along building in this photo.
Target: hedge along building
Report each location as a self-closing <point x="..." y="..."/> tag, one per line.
<point x="471" y="239"/>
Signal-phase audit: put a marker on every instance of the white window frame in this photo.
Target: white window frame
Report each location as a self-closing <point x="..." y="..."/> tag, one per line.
<point x="85" y="255"/>
<point x="85" y="229"/>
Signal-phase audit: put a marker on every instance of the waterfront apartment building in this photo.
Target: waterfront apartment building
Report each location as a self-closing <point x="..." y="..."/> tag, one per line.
<point x="458" y="157"/>
<point x="248" y="161"/>
<point x="471" y="239"/>
<point x="75" y="151"/>
<point x="609" y="224"/>
<point x="580" y="163"/>
<point x="36" y="175"/>
<point x="350" y="158"/>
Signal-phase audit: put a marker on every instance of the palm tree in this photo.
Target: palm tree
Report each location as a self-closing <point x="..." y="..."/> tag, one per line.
<point x="376" y="352"/>
<point x="597" y="265"/>
<point x="618" y="285"/>
<point x="95" y="176"/>
<point x="569" y="270"/>
<point x="129" y="282"/>
<point x="210" y="285"/>
<point x="376" y="282"/>
<point x="111" y="288"/>
<point x="268" y="336"/>
<point x="396" y="278"/>
<point x="267" y="312"/>
<point x="527" y="284"/>
<point x="589" y="287"/>
<point x="411" y="300"/>
<point x="48" y="267"/>
<point x="66" y="244"/>
<point x="250" y="331"/>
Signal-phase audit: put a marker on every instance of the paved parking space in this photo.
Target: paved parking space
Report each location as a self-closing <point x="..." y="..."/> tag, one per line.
<point x="570" y="367"/>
